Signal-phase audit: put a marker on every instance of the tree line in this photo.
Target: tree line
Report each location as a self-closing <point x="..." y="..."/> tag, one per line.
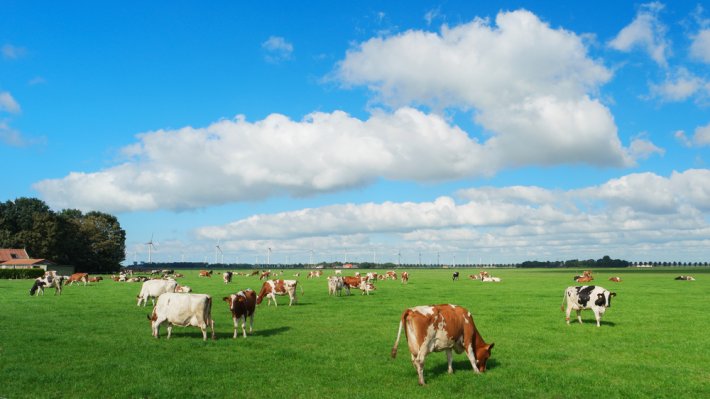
<point x="91" y="242"/>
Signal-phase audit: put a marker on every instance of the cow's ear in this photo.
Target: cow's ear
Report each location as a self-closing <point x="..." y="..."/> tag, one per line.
<point x="612" y="294"/>
<point x="226" y="299"/>
<point x="490" y="347"/>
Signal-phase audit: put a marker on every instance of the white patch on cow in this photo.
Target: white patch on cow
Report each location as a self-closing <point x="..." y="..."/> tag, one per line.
<point x="425" y="310"/>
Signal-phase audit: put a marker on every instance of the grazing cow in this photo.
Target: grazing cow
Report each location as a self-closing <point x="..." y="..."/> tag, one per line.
<point x="473" y="276"/>
<point x="95" y="279"/>
<point x="227" y="277"/>
<point x="77" y="277"/>
<point x="271" y="288"/>
<point x="437" y="328"/>
<point x="371" y="276"/>
<point x="242" y="305"/>
<point x="455" y="276"/>
<point x="182" y="310"/>
<point x="360" y="283"/>
<point x="685" y="278"/>
<point x="491" y="279"/>
<point x="591" y="297"/>
<point x="183" y="289"/>
<point x="391" y="274"/>
<point x="338" y="272"/>
<point x="366" y="287"/>
<point x="205" y="273"/>
<point x="265" y="275"/>
<point x="154" y="288"/>
<point x="48" y="280"/>
<point x="615" y="279"/>
<point x="335" y="285"/>
<point x="405" y="278"/>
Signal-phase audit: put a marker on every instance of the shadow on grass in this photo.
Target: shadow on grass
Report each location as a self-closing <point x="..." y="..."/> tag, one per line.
<point x="272" y="331"/>
<point x="459" y="366"/>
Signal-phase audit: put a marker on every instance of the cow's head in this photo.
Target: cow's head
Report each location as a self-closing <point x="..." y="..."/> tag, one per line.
<point x="482" y="354"/>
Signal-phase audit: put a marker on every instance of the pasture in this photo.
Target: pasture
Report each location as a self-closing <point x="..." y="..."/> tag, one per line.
<point x="94" y="341"/>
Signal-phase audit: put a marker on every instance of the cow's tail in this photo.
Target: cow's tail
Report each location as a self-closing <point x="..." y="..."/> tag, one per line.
<point x="402" y="321"/>
<point x="564" y="297"/>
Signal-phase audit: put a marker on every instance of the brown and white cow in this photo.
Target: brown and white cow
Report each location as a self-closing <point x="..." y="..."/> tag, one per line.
<point x="391" y="274"/>
<point x="77" y="277"/>
<point x="405" y="278"/>
<point x="183" y="289"/>
<point x="271" y="288"/>
<point x="615" y="279"/>
<point x="584" y="279"/>
<point x="205" y="273"/>
<point x="182" y="310"/>
<point x="242" y="305"/>
<point x="437" y="328"/>
<point x="265" y="275"/>
<point x="95" y="279"/>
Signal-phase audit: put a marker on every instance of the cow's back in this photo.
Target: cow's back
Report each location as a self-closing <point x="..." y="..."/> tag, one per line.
<point x="185" y="309"/>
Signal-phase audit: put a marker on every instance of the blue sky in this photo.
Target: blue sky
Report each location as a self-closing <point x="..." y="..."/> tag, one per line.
<point x="480" y="133"/>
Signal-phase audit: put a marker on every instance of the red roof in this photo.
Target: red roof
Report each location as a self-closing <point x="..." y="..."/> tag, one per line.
<point x="27" y="262"/>
<point x="12" y="254"/>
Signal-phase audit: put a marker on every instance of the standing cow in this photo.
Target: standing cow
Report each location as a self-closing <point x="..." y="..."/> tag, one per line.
<point x="48" y="280"/>
<point x="227" y="277"/>
<point x="455" y="276"/>
<point x="242" y="305"/>
<point x="182" y="310"/>
<point x="437" y="328"/>
<point x="596" y="298"/>
<point x="154" y="288"/>
<point x="335" y="285"/>
<point x="271" y="288"/>
<point x="77" y="277"/>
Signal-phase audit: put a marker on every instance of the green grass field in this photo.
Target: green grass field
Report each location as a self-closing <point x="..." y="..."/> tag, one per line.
<point x="94" y="342"/>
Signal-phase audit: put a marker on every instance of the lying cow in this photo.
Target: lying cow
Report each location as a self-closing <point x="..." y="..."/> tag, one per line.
<point x="77" y="277"/>
<point x="205" y="273"/>
<point x="591" y="297"/>
<point x="491" y="280"/>
<point x="183" y="289"/>
<point x="685" y="278"/>
<point x="48" y="280"/>
<point x="615" y="279"/>
<point x="242" y="305"/>
<point x="95" y="279"/>
<point x="583" y="279"/>
<point x="182" y="310"/>
<point x="437" y="328"/>
<point x="154" y="288"/>
<point x="271" y="288"/>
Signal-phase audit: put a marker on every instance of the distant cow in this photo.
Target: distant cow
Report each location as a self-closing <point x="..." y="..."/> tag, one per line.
<point x="77" y="277"/>
<point x="455" y="276"/>
<point x="437" y="328"/>
<point x="591" y="297"/>
<point x="583" y="279"/>
<point x="227" y="277"/>
<point x="686" y="278"/>
<point x="183" y="289"/>
<point x="154" y="288"/>
<point x="242" y="305"/>
<point x="95" y="279"/>
<point x="265" y="275"/>
<point x="205" y="273"/>
<point x="491" y="279"/>
<point x="405" y="277"/>
<point x="360" y="283"/>
<point x="271" y="288"/>
<point x="48" y="280"/>
<point x="335" y="285"/>
<point x="391" y="274"/>
<point x="615" y="279"/>
<point x="182" y="310"/>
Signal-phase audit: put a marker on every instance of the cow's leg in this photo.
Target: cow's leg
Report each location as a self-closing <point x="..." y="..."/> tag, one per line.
<point x="156" y="327"/>
<point x="450" y="360"/>
<point x="244" y="325"/>
<point x="597" y="316"/>
<point x="273" y="296"/>
<point x="203" y="328"/>
<point x="211" y="321"/>
<point x="236" y="326"/>
<point x="419" y="366"/>
<point x="251" y="323"/>
<point x="170" y="329"/>
<point x="579" y="315"/>
<point x="472" y="358"/>
<point x="568" y="312"/>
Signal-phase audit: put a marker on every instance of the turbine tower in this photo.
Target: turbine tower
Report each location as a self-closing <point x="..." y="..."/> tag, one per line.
<point x="150" y="249"/>
<point x="218" y="253"/>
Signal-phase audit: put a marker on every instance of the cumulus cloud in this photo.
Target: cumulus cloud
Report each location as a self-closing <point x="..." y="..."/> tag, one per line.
<point x="8" y="103"/>
<point x="634" y="212"/>
<point x="645" y="32"/>
<point x="532" y="87"/>
<point x="700" y="46"/>
<point x="678" y="86"/>
<point x="701" y="137"/>
<point x="277" y="49"/>
<point x="11" y="52"/>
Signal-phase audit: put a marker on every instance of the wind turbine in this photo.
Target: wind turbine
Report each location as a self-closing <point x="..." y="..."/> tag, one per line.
<point x="218" y="252"/>
<point x="268" y="258"/>
<point x="150" y="249"/>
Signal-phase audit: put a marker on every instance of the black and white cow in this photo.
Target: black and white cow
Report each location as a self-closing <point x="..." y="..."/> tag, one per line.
<point x="455" y="276"/>
<point x="48" y="280"/>
<point x="587" y="297"/>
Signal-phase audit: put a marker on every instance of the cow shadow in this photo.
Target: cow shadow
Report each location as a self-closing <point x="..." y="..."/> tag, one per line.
<point x="270" y="332"/>
<point x="461" y="366"/>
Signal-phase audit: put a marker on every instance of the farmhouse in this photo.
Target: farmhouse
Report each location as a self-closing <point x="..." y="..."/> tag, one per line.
<point x="19" y="259"/>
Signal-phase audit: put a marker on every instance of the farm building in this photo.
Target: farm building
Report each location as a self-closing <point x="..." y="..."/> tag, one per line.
<point x="19" y="259"/>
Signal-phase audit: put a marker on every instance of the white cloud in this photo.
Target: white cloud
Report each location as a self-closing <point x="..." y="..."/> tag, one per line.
<point x="702" y="135"/>
<point x="646" y="32"/>
<point x="11" y="52"/>
<point x="277" y="49"/>
<point x="641" y="148"/>
<point x="700" y="47"/>
<point x="8" y="103"/>
<point x="678" y="86"/>
<point x="682" y="138"/>
<point x="631" y="214"/>
<point x="530" y="86"/>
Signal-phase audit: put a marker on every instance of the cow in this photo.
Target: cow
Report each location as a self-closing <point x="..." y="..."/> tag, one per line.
<point x="205" y="273"/>
<point x="176" y="275"/>
<point x="95" y="279"/>
<point x="265" y="275"/>
<point x="473" y="276"/>
<point x="371" y="276"/>
<point x="391" y="274"/>
<point x="48" y="280"/>
<point x="335" y="285"/>
<point x="227" y="277"/>
<point x="405" y="278"/>
<point x="242" y="305"/>
<point x="360" y="283"/>
<point x="154" y="288"/>
<point x="491" y="279"/>
<point x="182" y="310"/>
<point x="437" y="328"/>
<point x="77" y="277"/>
<point x="271" y="288"/>
<point x="615" y="279"/>
<point x="685" y="278"/>
<point x="455" y="276"/>
<point x="584" y="279"/>
<point x="183" y="289"/>
<point x="596" y="298"/>
<point x="338" y="272"/>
